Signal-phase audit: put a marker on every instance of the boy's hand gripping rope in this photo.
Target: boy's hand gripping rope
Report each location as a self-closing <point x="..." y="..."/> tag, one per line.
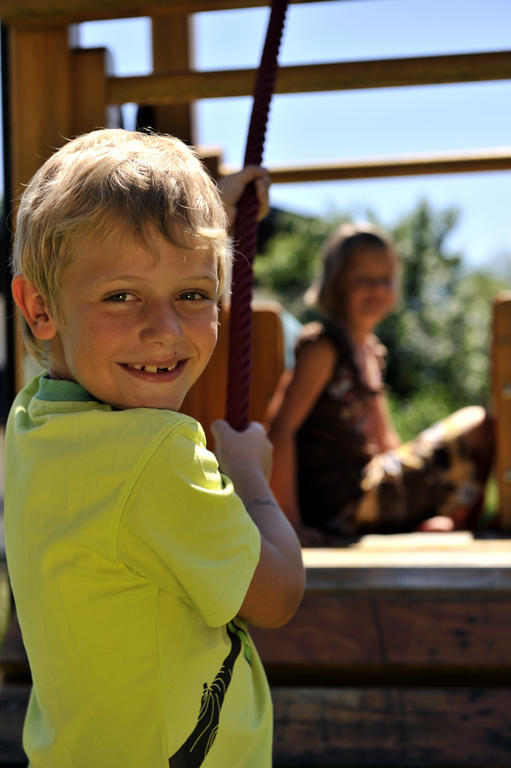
<point x="245" y="231"/>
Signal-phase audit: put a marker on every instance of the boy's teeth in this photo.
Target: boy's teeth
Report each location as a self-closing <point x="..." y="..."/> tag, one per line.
<point x="153" y="368"/>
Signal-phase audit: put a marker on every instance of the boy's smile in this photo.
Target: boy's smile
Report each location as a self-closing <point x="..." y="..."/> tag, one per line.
<point x="136" y="323"/>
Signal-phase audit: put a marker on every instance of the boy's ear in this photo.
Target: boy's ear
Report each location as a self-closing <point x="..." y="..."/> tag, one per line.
<point x="34" y="309"/>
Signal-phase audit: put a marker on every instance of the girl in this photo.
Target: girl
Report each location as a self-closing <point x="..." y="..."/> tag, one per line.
<point x="340" y="466"/>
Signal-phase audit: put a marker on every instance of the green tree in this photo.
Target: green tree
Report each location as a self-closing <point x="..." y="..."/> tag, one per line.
<point x="438" y="338"/>
<point x="288" y="263"/>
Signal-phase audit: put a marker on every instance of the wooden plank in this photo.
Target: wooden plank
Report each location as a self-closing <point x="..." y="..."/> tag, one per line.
<point x="13" y="704"/>
<point x="382" y="73"/>
<point x="407" y="165"/>
<point x="501" y="392"/>
<point x="363" y="609"/>
<point x="206" y="400"/>
<point x="40" y="98"/>
<point x="40" y="112"/>
<point x="439" y="555"/>
<point x="51" y="12"/>
<point x="89" y="67"/>
<point x="415" y="630"/>
<point x="172" y="51"/>
<point x="392" y="726"/>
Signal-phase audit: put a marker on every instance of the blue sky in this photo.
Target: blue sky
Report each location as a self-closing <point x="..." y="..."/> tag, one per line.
<point x="367" y="123"/>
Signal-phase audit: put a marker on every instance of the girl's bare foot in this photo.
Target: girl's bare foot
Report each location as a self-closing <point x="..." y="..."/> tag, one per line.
<point x="437" y="524"/>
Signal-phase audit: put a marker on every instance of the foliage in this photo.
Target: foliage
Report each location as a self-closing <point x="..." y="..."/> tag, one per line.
<point x="438" y="337"/>
<point x="288" y="263"/>
<point x="439" y="334"/>
<point x="427" y="406"/>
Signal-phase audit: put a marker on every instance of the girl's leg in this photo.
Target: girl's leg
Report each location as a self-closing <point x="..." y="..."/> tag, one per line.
<point x="434" y="482"/>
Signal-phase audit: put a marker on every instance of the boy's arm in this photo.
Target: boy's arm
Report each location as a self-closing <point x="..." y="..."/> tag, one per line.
<point x="277" y="585"/>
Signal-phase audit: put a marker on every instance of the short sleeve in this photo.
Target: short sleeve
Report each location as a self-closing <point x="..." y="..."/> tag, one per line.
<point x="184" y="528"/>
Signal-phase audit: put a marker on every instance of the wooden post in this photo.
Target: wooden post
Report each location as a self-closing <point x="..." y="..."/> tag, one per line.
<point x="89" y="107"/>
<point x="40" y="92"/>
<point x="501" y="386"/>
<point x="204" y="401"/>
<point x="40" y="113"/>
<point x="172" y="51"/>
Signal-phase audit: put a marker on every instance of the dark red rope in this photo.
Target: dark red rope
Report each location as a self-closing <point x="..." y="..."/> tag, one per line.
<point x="245" y="230"/>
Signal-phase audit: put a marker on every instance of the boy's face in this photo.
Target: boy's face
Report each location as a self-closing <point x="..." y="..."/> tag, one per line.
<point x="137" y="323"/>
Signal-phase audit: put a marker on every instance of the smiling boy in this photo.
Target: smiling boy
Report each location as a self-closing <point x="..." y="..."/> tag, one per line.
<point x="134" y="563"/>
<point x="137" y="323"/>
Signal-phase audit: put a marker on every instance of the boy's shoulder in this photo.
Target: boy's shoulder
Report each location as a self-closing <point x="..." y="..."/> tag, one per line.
<point x="43" y="399"/>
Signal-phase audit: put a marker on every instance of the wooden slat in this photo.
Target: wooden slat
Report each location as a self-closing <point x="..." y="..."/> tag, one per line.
<point x="40" y="112"/>
<point x="418" y="630"/>
<point x="501" y="386"/>
<point x="392" y="727"/>
<point x="89" y="66"/>
<point x="384" y="73"/>
<point x="206" y="400"/>
<point x="46" y="12"/>
<point x="172" y="50"/>
<point x="369" y="605"/>
<point x="40" y="98"/>
<point x="409" y="165"/>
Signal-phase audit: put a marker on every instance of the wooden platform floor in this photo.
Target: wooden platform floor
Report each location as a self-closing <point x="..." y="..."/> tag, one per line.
<point x="400" y="654"/>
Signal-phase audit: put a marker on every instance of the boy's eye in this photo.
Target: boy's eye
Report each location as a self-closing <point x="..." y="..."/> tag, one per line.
<point x="121" y="297"/>
<point x="191" y="296"/>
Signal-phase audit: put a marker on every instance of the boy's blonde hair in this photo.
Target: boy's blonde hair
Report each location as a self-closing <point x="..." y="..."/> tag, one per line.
<point x="345" y="242"/>
<point x="108" y="178"/>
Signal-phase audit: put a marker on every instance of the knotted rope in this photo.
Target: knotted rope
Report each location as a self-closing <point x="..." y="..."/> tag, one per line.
<point x="245" y="230"/>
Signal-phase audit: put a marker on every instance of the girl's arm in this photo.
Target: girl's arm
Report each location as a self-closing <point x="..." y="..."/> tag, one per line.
<point x="386" y="434"/>
<point x="295" y="396"/>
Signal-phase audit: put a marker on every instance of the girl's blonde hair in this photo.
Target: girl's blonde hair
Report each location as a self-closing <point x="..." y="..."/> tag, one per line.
<point x="109" y="178"/>
<point x="326" y="294"/>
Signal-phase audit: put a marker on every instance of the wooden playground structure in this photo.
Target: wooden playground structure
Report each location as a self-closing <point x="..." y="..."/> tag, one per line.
<point x="401" y="651"/>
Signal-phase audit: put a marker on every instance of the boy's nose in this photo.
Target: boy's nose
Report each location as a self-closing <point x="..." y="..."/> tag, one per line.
<point x="161" y="324"/>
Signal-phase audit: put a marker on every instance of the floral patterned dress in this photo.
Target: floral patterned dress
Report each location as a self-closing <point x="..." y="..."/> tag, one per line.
<point x="345" y="485"/>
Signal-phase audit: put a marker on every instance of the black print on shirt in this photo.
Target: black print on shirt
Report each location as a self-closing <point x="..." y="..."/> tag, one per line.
<point x="193" y="752"/>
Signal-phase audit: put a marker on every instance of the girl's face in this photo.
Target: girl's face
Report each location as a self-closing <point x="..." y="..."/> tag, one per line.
<point x="369" y="284"/>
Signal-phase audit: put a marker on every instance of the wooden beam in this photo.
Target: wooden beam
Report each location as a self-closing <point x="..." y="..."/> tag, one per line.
<point x="51" y="12"/>
<point x="388" y="726"/>
<point x="172" y="88"/>
<point x="40" y="71"/>
<point x="40" y="92"/>
<point x="408" y="165"/>
<point x="410" y="601"/>
<point x="89" y="88"/>
<point x="204" y="401"/>
<point x="173" y="50"/>
<point x="501" y="394"/>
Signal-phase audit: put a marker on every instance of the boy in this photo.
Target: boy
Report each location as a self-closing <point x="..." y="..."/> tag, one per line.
<point x="132" y="560"/>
